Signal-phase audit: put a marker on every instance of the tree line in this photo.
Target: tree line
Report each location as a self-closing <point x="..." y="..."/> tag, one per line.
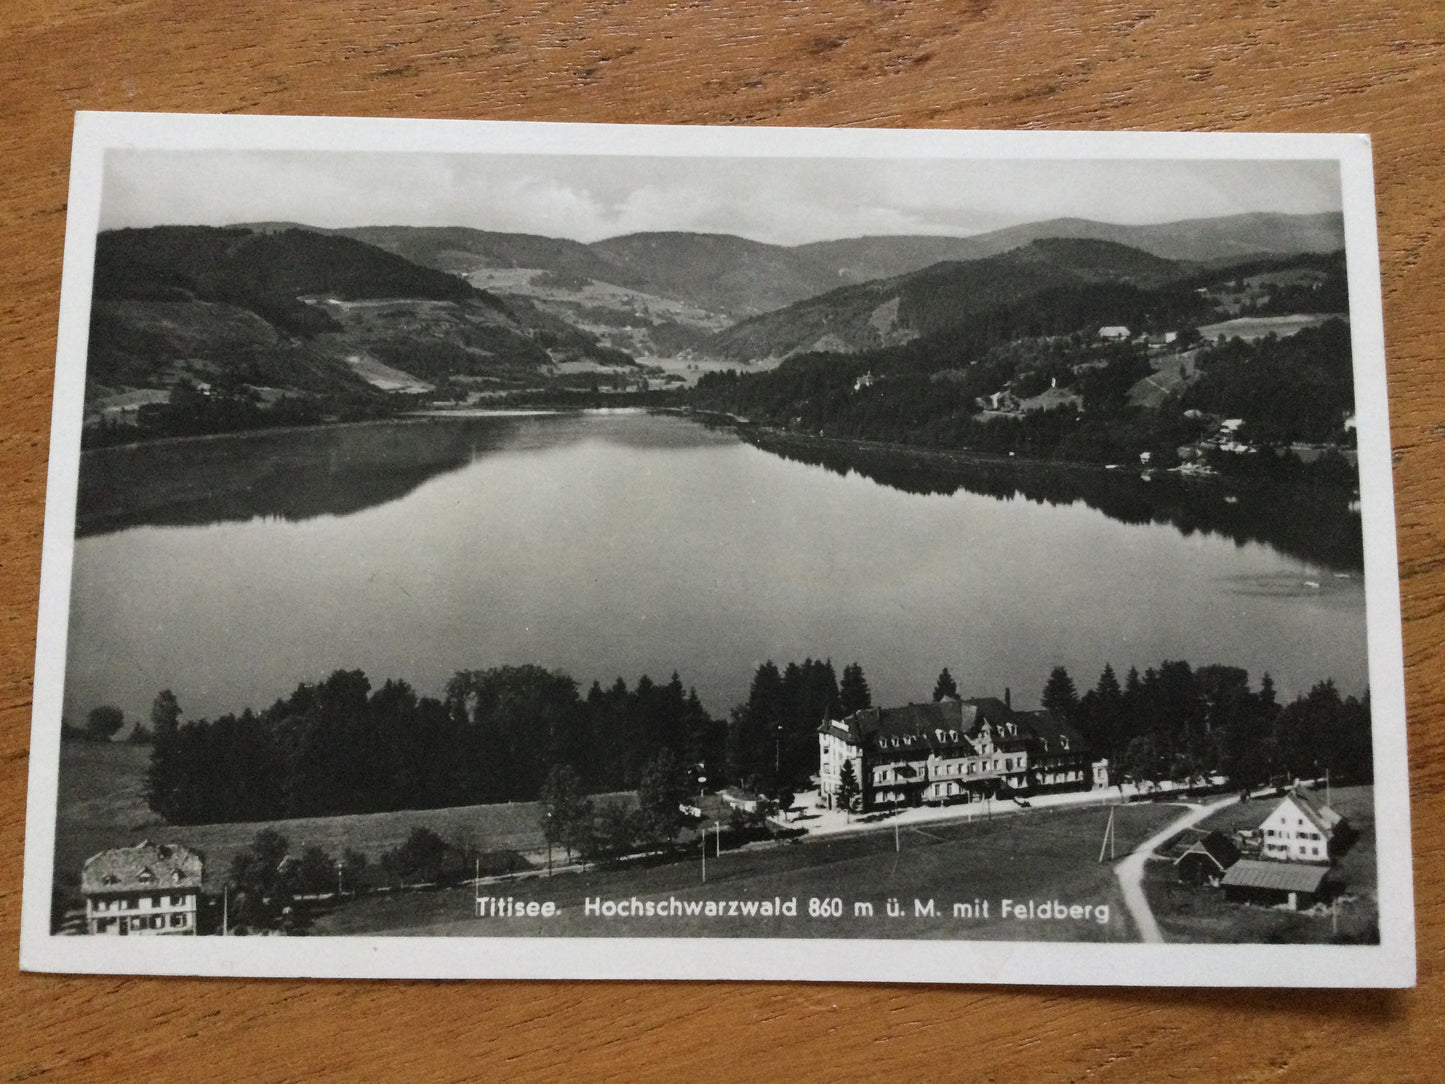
<point x="504" y="734"/>
<point x="1184" y="723"/>
<point x="339" y="746"/>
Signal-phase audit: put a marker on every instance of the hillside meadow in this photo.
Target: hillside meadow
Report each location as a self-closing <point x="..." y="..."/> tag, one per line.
<point x="101" y="804"/>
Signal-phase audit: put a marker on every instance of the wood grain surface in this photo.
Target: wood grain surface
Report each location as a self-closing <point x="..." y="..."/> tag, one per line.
<point x="1293" y="65"/>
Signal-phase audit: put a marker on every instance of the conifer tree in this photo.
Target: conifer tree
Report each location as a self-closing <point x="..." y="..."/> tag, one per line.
<point x="853" y="691"/>
<point x="848" y="790"/>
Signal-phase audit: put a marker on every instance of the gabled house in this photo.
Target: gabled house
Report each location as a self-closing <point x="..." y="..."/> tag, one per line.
<point x="1301" y="829"/>
<point x="151" y="888"/>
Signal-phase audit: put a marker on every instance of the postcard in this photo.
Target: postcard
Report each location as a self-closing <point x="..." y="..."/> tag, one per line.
<point x="578" y="551"/>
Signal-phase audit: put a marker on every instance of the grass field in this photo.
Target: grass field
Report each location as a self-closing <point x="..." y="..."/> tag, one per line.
<point x="1044" y="855"/>
<point x="1187" y="913"/>
<point x="102" y="805"/>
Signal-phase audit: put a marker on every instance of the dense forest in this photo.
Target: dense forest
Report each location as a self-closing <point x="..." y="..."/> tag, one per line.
<point x="1298" y="388"/>
<point x="339" y="746"/>
<point x="1184" y="723"/>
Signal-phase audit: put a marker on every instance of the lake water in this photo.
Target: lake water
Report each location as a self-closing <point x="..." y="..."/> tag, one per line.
<point x="625" y="543"/>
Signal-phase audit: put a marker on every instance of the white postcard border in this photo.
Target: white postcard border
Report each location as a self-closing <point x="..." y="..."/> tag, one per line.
<point x="1389" y="964"/>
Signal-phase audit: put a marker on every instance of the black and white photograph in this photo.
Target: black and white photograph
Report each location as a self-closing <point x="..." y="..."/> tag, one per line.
<point x="639" y="552"/>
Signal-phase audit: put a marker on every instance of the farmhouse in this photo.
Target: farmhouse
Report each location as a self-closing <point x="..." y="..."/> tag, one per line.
<point x="1299" y="829"/>
<point x="151" y="888"/>
<point x="1114" y="333"/>
<point x="950" y="751"/>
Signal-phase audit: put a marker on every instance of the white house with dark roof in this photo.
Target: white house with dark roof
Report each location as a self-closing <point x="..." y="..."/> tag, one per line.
<point x="950" y="751"/>
<point x="1299" y="829"/>
<point x="151" y="888"/>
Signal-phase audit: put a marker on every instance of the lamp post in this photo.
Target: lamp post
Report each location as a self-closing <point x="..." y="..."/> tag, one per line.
<point x="549" y="843"/>
<point x="702" y="832"/>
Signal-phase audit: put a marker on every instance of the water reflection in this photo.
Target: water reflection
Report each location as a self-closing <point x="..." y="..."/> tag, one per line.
<point x="631" y="544"/>
<point x="1316" y="524"/>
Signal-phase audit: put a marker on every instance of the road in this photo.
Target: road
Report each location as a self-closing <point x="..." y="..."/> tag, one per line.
<point x="1131" y="870"/>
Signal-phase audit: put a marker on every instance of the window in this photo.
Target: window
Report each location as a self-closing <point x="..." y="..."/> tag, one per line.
<point x="155" y="901"/>
<point x="178" y="901"/>
<point x="178" y="920"/>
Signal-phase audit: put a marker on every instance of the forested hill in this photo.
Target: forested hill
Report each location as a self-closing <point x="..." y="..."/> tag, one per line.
<point x="265" y="272"/>
<point x="199" y="329"/>
<point x="1218" y="371"/>
<point x="1201" y="240"/>
<point x="888" y="312"/>
<point x="462" y="250"/>
<point x="739" y="277"/>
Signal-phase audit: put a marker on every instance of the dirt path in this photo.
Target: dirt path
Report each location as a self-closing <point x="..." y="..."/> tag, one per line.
<point x="1131" y="870"/>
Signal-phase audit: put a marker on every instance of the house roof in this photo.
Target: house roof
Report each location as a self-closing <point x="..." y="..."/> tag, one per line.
<point x="1053" y="732"/>
<point x="952" y="723"/>
<point x="1317" y="813"/>
<point x="146" y="867"/>
<point x="1216" y="847"/>
<point x="1282" y="876"/>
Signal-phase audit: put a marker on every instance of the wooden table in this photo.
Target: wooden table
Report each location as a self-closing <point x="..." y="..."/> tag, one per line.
<point x="1295" y="65"/>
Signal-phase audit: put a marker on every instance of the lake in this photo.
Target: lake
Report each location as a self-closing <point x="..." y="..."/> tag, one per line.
<point x="604" y="544"/>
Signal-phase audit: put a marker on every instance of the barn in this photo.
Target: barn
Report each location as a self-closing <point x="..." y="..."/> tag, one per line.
<point x="1207" y="860"/>
<point x="1294" y="884"/>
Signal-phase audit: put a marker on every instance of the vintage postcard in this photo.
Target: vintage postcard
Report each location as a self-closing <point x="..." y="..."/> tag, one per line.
<point x="527" y="550"/>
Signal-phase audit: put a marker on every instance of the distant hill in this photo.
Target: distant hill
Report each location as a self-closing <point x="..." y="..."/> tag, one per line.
<point x="1201" y="240"/>
<point x="740" y="278"/>
<point x="293" y="310"/>
<point x="721" y="272"/>
<point x="461" y="251"/>
<point x="888" y="312"/>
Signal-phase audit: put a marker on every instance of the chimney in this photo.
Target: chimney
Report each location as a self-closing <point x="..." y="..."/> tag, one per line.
<point x="1008" y="700"/>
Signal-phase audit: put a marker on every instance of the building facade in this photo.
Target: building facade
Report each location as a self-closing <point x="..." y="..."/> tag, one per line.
<point x="1299" y="829"/>
<point x="950" y="751"/>
<point x="149" y="889"/>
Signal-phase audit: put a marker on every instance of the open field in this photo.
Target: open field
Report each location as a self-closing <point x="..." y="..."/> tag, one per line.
<point x="1186" y="913"/>
<point x="1251" y="328"/>
<point x="101" y="805"/>
<point x="1043" y="855"/>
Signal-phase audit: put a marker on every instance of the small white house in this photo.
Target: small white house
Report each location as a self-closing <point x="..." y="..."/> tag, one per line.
<point x="1299" y="829"/>
<point x="1114" y="333"/>
<point x="151" y="888"/>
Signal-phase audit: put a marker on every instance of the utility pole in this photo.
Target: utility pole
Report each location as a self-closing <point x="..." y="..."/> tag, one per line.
<point x="1108" y="840"/>
<point x="225" y="909"/>
<point x="704" y="857"/>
